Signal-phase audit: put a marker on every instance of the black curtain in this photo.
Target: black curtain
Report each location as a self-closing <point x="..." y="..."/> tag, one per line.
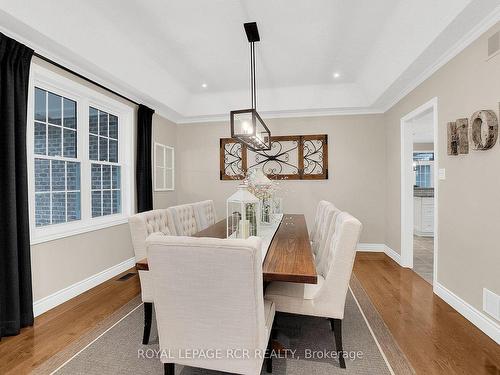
<point x="16" y="300"/>
<point x="143" y="170"/>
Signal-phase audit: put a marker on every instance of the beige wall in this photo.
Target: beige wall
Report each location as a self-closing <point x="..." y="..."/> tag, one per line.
<point x="356" y="168"/>
<point x="164" y="132"/>
<point x="469" y="209"/>
<point x="423" y="146"/>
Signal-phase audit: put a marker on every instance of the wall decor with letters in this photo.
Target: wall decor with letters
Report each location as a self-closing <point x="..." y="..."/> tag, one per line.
<point x="291" y="157"/>
<point x="483" y="132"/>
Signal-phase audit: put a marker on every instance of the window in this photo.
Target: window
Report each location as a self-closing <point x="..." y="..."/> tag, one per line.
<point x="423" y="164"/>
<point x="164" y="167"/>
<point x="57" y="168"/>
<point x="79" y="147"/>
<point x="423" y="176"/>
<point x="105" y="170"/>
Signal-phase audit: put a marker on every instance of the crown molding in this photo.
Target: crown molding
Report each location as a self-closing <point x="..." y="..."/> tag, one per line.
<point x="186" y="120"/>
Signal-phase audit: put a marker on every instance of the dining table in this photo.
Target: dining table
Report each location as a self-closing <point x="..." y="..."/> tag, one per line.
<point x="286" y="249"/>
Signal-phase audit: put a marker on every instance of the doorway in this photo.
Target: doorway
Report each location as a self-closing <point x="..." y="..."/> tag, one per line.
<point x="419" y="190"/>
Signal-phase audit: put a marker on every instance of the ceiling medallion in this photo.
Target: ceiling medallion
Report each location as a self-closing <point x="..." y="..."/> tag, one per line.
<point x="246" y="124"/>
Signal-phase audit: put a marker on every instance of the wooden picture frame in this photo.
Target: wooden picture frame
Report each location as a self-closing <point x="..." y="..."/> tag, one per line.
<point x="291" y="157"/>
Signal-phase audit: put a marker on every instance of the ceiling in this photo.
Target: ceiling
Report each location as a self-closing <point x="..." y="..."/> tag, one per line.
<point x="162" y="53"/>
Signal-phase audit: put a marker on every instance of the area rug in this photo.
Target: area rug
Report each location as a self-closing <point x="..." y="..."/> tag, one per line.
<point x="115" y="346"/>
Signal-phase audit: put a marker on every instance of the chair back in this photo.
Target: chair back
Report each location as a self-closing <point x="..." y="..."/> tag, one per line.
<point x="208" y="296"/>
<point x="183" y="219"/>
<point x="145" y="223"/>
<point x="328" y="226"/>
<point x="318" y="222"/>
<point x="338" y="263"/>
<point x="204" y="213"/>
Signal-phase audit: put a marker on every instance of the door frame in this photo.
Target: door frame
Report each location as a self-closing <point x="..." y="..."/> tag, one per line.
<point x="407" y="184"/>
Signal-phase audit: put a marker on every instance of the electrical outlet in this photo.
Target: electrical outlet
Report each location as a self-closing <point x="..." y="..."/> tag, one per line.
<point x="491" y="303"/>
<point x="442" y="174"/>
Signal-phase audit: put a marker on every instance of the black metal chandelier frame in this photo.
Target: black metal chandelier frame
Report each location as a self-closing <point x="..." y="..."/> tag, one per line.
<point x="256" y="140"/>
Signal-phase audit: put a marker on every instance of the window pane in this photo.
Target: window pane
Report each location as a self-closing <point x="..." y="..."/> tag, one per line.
<point x="113" y="151"/>
<point x="74" y="211"/>
<point x="113" y="127"/>
<point x="169" y="179"/>
<point x="116" y="177"/>
<point x="106" y="202"/>
<point x="103" y="149"/>
<point x="69" y="110"/>
<point x="54" y="107"/>
<point x="54" y="141"/>
<point x="40" y="138"/>
<point x="96" y="176"/>
<point x="96" y="203"/>
<point x="73" y="176"/>
<point x="58" y="175"/>
<point x="93" y="147"/>
<point x="106" y="177"/>
<point x="117" y="204"/>
<point x="58" y="208"/>
<point x="160" y="157"/>
<point x="69" y="143"/>
<point x="93" y="120"/>
<point x="160" y="179"/>
<point x="42" y="175"/>
<point x="103" y="124"/>
<point x="42" y="209"/>
<point x="169" y="158"/>
<point x="40" y="105"/>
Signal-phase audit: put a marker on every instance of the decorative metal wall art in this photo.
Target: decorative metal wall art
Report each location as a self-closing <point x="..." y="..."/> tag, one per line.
<point x="295" y="157"/>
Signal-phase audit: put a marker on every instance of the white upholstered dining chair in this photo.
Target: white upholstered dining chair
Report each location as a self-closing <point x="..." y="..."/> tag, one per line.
<point x="327" y="229"/>
<point x="183" y="219"/>
<point x="327" y="298"/>
<point x="315" y="233"/>
<point x="204" y="213"/>
<point x="141" y="226"/>
<point x="208" y="296"/>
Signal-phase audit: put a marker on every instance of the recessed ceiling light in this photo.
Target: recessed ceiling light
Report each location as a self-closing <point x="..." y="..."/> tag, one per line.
<point x="204" y="85"/>
<point x="336" y="75"/>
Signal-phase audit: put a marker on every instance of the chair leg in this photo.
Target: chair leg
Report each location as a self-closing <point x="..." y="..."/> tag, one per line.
<point x="269" y="359"/>
<point x="148" y="316"/>
<point x="169" y="368"/>
<point x="331" y="323"/>
<point x="337" y="331"/>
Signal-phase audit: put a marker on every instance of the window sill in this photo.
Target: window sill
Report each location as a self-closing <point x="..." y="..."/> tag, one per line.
<point x="38" y="238"/>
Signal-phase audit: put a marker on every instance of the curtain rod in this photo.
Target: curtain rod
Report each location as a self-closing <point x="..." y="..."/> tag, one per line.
<point x="83" y="77"/>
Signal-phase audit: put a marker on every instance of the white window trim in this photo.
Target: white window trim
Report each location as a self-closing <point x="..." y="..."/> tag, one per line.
<point x="170" y="168"/>
<point x="84" y="96"/>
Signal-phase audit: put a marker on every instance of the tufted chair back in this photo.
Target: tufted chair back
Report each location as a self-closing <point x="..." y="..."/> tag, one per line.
<point x="204" y="213"/>
<point x="145" y="223"/>
<point x="183" y="219"/>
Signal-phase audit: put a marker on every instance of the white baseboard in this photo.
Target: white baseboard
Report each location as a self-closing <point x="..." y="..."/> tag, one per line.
<point x="375" y="247"/>
<point x="380" y="248"/>
<point x="476" y="317"/>
<point x="393" y="255"/>
<point x="63" y="295"/>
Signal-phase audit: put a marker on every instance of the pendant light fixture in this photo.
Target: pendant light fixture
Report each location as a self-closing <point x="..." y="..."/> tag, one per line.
<point x="246" y="124"/>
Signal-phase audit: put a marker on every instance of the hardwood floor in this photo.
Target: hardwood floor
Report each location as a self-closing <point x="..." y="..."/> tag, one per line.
<point x="435" y="338"/>
<point x="57" y="328"/>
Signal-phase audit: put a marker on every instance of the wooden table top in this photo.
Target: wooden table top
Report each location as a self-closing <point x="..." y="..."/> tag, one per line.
<point x="289" y="257"/>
